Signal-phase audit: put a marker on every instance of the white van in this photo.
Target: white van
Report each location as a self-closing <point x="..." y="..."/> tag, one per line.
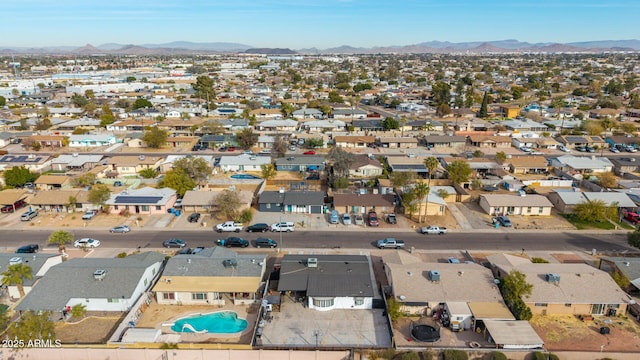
<point x="29" y="215"/>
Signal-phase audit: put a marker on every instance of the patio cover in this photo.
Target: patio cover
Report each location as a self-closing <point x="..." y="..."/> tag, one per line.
<point x="515" y="334"/>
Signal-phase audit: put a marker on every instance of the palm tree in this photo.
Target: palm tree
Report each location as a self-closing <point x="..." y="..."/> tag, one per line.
<point x="15" y="275"/>
<point x="432" y="164"/>
<point x="60" y="238"/>
<point x="421" y="190"/>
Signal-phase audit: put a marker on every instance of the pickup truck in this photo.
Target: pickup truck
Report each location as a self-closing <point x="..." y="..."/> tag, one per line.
<point x="229" y="226"/>
<point x="389" y="243"/>
<point x="433" y="230"/>
<point x="632" y="217"/>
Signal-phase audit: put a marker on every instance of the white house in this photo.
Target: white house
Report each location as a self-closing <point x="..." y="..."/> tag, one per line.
<point x="329" y="281"/>
<point x="91" y="140"/>
<point x="40" y="263"/>
<point x="100" y="284"/>
<point x="243" y="162"/>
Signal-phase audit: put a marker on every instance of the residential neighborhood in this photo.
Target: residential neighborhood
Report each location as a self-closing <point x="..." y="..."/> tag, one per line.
<point x="267" y="202"/>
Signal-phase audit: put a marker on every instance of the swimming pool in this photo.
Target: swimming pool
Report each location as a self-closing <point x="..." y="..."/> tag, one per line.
<point x="221" y="322"/>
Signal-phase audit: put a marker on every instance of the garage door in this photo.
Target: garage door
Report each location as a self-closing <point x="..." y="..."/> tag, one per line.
<point x="316" y="209"/>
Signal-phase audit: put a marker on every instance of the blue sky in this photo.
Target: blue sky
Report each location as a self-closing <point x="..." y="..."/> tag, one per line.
<point x="313" y="23"/>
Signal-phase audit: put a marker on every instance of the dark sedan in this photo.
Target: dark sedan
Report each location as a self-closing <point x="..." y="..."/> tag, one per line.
<point x="193" y="218"/>
<point x="259" y="227"/>
<point x="233" y="242"/>
<point x="174" y="243"/>
<point x="28" y="249"/>
<point x="266" y="242"/>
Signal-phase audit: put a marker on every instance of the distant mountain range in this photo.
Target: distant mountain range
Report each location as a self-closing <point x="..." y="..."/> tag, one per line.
<point x="436" y="47"/>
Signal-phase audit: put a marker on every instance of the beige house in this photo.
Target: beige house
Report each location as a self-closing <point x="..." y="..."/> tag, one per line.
<point x="499" y="204"/>
<point x="356" y="142"/>
<point x="365" y="167"/>
<point x="214" y="276"/>
<point x="576" y="289"/>
<point x="131" y="165"/>
<point x="398" y="142"/>
<point x="205" y="200"/>
<point x="52" y="182"/>
<point x="528" y="164"/>
<point x="489" y="141"/>
<point x="62" y="200"/>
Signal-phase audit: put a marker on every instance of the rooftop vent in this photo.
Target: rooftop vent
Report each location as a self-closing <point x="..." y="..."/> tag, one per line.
<point x="141" y="157"/>
<point x="626" y="263"/>
<point x="230" y="263"/>
<point x="552" y="278"/>
<point x="312" y="262"/>
<point x="99" y="274"/>
<point x="15" y="260"/>
<point x="434" y="275"/>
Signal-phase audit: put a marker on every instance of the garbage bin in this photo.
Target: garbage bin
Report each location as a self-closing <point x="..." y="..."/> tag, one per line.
<point x="605" y="330"/>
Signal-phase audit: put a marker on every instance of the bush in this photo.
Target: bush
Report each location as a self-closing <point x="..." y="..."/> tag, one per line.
<point x="538" y="260"/>
<point x="122" y="255"/>
<point x="245" y="216"/>
<point x="388" y="353"/>
<point x="554" y="357"/>
<point x="497" y="355"/>
<point x="427" y="355"/>
<point x="410" y="356"/>
<point x="538" y="355"/>
<point x="452" y="354"/>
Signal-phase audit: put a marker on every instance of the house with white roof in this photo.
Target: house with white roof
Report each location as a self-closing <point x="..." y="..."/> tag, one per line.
<point x="243" y="162"/>
<point x="324" y="125"/>
<point x="278" y="125"/>
<point x="39" y="263"/>
<point x="91" y="140"/>
<point x="582" y="164"/>
<point x="305" y="113"/>
<point x="75" y="162"/>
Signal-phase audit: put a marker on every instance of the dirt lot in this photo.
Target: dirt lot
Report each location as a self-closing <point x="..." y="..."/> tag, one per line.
<point x="567" y="332"/>
<point x="93" y="329"/>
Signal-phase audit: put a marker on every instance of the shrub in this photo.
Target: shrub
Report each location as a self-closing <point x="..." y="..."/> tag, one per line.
<point x="427" y="355"/>
<point x="538" y="260"/>
<point x="452" y="354"/>
<point x="497" y="355"/>
<point x="388" y="353"/>
<point x="410" y="356"/>
<point x="122" y="255"/>
<point x="245" y="216"/>
<point x="554" y="357"/>
<point x="538" y="355"/>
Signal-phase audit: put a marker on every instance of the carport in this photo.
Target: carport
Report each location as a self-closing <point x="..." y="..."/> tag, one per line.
<point x="512" y="334"/>
<point x="482" y="311"/>
<point x="11" y="196"/>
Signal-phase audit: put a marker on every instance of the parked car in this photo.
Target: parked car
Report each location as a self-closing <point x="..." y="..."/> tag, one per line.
<point x="89" y="214"/>
<point x="229" y="226"/>
<point x="194" y="218"/>
<point x="334" y="217"/>
<point x="563" y="148"/>
<point x="632" y="217"/>
<point x="266" y="242"/>
<point x="86" y="243"/>
<point x="28" y="249"/>
<point x="346" y="219"/>
<point x="503" y="220"/>
<point x="391" y="219"/>
<point x="233" y="242"/>
<point x="614" y="150"/>
<point x="358" y="219"/>
<point x="231" y="148"/>
<point x="453" y="260"/>
<point x="27" y="216"/>
<point x="389" y="243"/>
<point x="259" y="227"/>
<point x="174" y="243"/>
<point x="222" y="149"/>
<point x="433" y="229"/>
<point x="372" y="219"/>
<point x="283" y="226"/>
<point x="16" y="205"/>
<point x="581" y="148"/>
<point x="310" y="152"/>
<point x="120" y="229"/>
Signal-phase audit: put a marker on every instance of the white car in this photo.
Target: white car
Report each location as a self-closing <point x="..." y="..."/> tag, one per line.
<point x="563" y="148"/>
<point x="86" y="243"/>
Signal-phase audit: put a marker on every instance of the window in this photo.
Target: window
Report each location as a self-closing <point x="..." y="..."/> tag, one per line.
<point x="158" y="207"/>
<point x="567" y="305"/>
<point x="268" y="206"/>
<point x="540" y="210"/>
<point x="115" y="207"/>
<point x="323" y="302"/>
<point x="113" y="300"/>
<point x="169" y="296"/>
<point x="597" y="309"/>
<point x="146" y="282"/>
<point x="541" y="305"/>
<point x="145" y="207"/>
<point x="153" y="271"/>
<point x="529" y="209"/>
<point x="199" y="296"/>
<point x="359" y="301"/>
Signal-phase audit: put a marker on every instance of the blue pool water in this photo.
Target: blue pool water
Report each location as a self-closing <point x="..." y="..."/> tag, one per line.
<point x="221" y="322"/>
<point x="244" y="176"/>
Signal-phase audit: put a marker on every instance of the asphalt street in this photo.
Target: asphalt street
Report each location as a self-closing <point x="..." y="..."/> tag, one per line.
<point x="486" y="240"/>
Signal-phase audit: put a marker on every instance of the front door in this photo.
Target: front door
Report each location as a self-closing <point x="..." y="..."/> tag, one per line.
<point x="137" y="209"/>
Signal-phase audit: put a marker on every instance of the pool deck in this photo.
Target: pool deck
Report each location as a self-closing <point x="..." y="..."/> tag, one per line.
<point x="164" y="316"/>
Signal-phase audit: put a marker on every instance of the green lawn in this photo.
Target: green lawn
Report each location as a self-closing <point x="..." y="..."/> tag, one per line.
<point x="603" y="225"/>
